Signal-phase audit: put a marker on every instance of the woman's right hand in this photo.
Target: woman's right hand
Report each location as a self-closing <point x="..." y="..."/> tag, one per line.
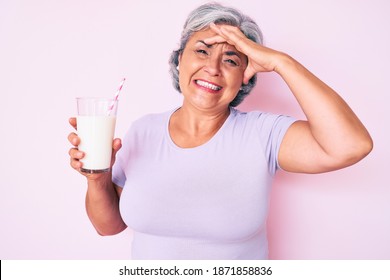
<point x="75" y="154"/>
<point x="102" y="197"/>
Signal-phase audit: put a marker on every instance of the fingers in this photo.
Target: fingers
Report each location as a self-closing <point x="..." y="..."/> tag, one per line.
<point x="217" y="39"/>
<point x="74" y="153"/>
<point x="76" y="164"/>
<point x="116" y="145"/>
<point x="246" y="78"/>
<point x="230" y="34"/>
<point x="74" y="139"/>
<point x="75" y="156"/>
<point x="248" y="74"/>
<point x="73" y="122"/>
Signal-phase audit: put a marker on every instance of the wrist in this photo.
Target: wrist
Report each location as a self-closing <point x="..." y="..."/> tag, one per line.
<point x="283" y="62"/>
<point x="99" y="181"/>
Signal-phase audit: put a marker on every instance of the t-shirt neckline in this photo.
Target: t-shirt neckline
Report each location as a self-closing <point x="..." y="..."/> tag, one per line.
<point x="202" y="146"/>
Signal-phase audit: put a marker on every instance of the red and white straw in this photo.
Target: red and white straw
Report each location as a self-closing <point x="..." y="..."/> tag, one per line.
<point x="116" y="96"/>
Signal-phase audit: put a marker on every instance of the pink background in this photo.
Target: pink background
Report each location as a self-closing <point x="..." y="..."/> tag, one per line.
<point x="53" y="51"/>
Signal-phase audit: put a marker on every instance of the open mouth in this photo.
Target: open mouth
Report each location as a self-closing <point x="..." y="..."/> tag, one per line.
<point x="207" y="85"/>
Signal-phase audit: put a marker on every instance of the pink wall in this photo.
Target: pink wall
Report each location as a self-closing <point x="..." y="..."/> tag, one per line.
<point x="53" y="51"/>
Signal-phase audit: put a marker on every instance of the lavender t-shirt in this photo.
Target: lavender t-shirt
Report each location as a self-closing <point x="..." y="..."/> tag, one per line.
<point x="207" y="202"/>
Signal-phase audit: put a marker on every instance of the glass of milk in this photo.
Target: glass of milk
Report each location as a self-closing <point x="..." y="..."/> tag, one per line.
<point x="96" y="119"/>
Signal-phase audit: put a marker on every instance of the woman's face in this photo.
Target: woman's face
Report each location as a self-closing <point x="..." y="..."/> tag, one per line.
<point x="210" y="76"/>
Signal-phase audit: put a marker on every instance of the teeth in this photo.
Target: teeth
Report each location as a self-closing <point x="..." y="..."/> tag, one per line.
<point x="207" y="85"/>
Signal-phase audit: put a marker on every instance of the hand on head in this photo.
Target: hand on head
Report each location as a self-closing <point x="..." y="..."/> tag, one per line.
<point x="260" y="58"/>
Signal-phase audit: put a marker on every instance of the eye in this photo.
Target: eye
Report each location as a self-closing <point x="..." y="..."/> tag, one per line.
<point x="232" y="62"/>
<point x="201" y="51"/>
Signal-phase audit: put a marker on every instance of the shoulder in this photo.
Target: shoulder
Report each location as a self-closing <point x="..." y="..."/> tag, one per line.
<point x="148" y="124"/>
<point x="250" y="115"/>
<point x="261" y="125"/>
<point x="259" y="118"/>
<point x="152" y="120"/>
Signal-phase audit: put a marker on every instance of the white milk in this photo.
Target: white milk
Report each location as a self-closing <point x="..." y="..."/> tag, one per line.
<point x="96" y="134"/>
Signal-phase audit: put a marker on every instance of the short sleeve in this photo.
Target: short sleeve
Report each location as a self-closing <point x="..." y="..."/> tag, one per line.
<point x="272" y="129"/>
<point x="118" y="169"/>
<point x="141" y="130"/>
<point x="118" y="176"/>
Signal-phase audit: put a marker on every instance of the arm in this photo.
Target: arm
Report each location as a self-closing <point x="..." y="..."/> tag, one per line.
<point x="102" y="198"/>
<point x="102" y="204"/>
<point x="332" y="137"/>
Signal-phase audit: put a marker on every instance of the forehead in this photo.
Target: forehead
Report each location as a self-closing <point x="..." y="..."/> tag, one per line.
<point x="207" y="33"/>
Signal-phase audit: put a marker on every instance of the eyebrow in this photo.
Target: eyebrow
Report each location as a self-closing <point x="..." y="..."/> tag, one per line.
<point x="231" y="53"/>
<point x="228" y="53"/>
<point x="201" y="41"/>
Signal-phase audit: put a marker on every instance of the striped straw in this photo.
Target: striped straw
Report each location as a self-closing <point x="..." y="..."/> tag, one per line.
<point x="116" y="96"/>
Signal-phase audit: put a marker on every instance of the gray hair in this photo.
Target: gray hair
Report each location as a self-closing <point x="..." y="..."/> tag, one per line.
<point x="200" y="19"/>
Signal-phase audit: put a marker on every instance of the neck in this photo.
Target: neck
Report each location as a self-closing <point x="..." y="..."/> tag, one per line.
<point x="198" y="122"/>
<point x="192" y="128"/>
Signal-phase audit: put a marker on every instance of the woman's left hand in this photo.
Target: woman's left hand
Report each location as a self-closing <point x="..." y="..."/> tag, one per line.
<point x="260" y="58"/>
<point x="332" y="137"/>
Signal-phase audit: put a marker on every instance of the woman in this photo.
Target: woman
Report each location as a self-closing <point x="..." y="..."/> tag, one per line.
<point x="196" y="179"/>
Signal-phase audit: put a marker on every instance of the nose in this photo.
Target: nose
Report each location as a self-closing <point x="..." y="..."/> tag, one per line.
<point x="212" y="66"/>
